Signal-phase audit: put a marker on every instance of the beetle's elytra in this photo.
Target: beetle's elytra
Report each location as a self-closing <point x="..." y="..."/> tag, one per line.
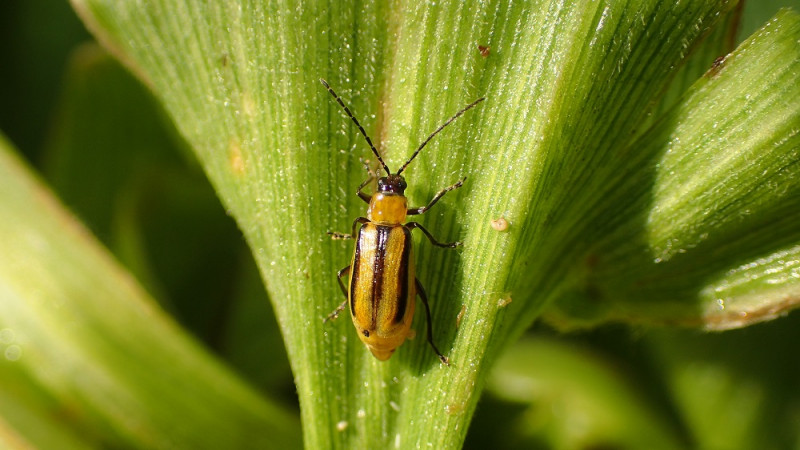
<point x="383" y="285"/>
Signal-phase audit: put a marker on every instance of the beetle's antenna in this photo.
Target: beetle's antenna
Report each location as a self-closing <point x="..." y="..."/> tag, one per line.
<point x="416" y="152"/>
<point x="360" y="128"/>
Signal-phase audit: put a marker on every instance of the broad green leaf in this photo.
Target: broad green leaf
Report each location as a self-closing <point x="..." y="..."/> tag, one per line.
<point x="29" y="417"/>
<point x="252" y="342"/>
<point x="756" y="14"/>
<point x="567" y="87"/>
<point x="574" y="399"/>
<point x="107" y="146"/>
<point x="709" y="235"/>
<point x="87" y="351"/>
<point x="709" y="53"/>
<point x="115" y="160"/>
<point x="734" y="390"/>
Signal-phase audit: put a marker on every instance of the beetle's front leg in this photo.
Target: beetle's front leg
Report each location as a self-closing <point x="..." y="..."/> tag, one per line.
<point x="440" y="194"/>
<point x="362" y="195"/>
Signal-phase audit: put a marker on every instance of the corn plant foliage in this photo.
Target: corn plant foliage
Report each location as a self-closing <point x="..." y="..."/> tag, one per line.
<point x="692" y="220"/>
<point x="711" y="236"/>
<point x="89" y="359"/>
<point x="667" y="388"/>
<point x="561" y="385"/>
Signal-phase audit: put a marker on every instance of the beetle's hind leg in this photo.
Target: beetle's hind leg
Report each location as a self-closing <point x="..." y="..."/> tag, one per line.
<point x="340" y="308"/>
<point x="424" y="297"/>
<point x="335" y="314"/>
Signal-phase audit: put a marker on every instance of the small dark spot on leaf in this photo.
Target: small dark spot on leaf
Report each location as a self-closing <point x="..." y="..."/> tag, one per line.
<point x="484" y="49"/>
<point x="716" y="66"/>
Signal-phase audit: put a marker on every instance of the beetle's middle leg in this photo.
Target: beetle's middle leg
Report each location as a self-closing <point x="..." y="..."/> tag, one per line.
<point x="412" y="225"/>
<point x="340" y="308"/>
<point x="336" y="236"/>
<point x="341" y="236"/>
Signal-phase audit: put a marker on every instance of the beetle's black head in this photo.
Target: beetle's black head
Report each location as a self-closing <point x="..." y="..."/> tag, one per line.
<point x="392" y="184"/>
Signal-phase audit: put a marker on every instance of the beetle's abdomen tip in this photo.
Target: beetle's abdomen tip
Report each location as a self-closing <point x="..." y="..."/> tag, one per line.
<point x="381" y="354"/>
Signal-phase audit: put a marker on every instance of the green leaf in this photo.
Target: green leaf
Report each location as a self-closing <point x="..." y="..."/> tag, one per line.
<point x="253" y="342"/>
<point x="115" y="160"/>
<point x="707" y="235"/>
<point x="709" y="53"/>
<point x="87" y="354"/>
<point x="29" y="417"/>
<point x="567" y="85"/>
<point x="734" y="390"/>
<point x="574" y="399"/>
<point x="109" y="146"/>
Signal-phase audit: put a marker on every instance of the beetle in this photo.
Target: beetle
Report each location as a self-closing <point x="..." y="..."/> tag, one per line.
<point x="382" y="286"/>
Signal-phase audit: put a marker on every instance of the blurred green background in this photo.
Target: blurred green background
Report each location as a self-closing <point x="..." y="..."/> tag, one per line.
<point x="104" y="145"/>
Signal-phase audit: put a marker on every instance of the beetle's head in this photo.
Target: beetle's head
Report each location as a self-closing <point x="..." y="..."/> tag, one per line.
<point x="392" y="184"/>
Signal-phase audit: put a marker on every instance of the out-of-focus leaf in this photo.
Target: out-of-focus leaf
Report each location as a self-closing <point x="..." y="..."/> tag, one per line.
<point x="735" y="390"/>
<point x="116" y="160"/>
<point x="83" y="336"/>
<point x="574" y="400"/>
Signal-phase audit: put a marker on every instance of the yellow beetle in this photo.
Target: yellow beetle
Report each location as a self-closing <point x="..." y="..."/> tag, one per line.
<point x="383" y="285"/>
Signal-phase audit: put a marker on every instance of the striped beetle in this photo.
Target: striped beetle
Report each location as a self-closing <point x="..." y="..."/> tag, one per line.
<point x="383" y="285"/>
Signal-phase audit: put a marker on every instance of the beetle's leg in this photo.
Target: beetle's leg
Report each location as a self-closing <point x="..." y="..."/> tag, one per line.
<point x="440" y="194"/>
<point x="369" y="170"/>
<point x="364" y="196"/>
<point x="360" y="220"/>
<point x="412" y="225"/>
<point x="339" y="275"/>
<point x="421" y="292"/>
<point x="340" y="308"/>
<point x="335" y="313"/>
<point x="341" y="236"/>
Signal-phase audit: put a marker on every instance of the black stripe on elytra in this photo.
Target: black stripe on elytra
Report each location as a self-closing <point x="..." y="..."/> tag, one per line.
<point x="356" y="272"/>
<point x="402" y="277"/>
<point x="378" y="268"/>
